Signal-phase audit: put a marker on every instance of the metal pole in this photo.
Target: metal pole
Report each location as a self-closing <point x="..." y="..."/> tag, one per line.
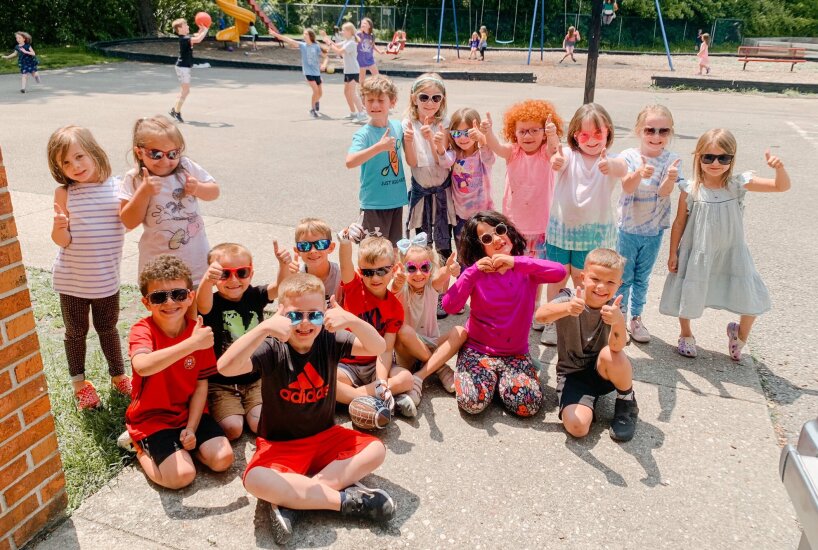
<point x="456" y="40"/>
<point x="440" y="30"/>
<point x="531" y="37"/>
<point x="619" y="38"/>
<point x="426" y="28"/>
<point x="593" y="50"/>
<point x="664" y="36"/>
<point x="340" y="15"/>
<point x="542" y="30"/>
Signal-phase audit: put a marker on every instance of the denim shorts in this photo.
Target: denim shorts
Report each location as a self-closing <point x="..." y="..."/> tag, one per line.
<point x="574" y="258"/>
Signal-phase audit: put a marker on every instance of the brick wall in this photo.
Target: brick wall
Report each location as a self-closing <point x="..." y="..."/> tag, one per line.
<point x="32" y="485"/>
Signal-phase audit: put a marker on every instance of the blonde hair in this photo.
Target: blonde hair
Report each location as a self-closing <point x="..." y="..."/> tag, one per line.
<point x="373" y="249"/>
<point x="165" y="267"/>
<point x="25" y="35"/>
<point x="314" y="226"/>
<point x="433" y="257"/>
<point x="724" y="140"/>
<point x="467" y="115"/>
<point x="706" y="38"/>
<point x="229" y="249"/>
<point x="300" y="284"/>
<point x="572" y="29"/>
<point x="178" y="23"/>
<point x="378" y="85"/>
<point x="421" y="83"/>
<point x="148" y="127"/>
<point x="597" y="114"/>
<point x="351" y="27"/>
<point x="605" y="257"/>
<point x="65" y="137"/>
<point x="656" y="109"/>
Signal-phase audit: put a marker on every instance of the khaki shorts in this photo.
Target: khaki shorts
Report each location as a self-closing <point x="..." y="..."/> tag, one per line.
<point x="183" y="74"/>
<point x="237" y="399"/>
<point x="410" y="363"/>
<point x="360" y="375"/>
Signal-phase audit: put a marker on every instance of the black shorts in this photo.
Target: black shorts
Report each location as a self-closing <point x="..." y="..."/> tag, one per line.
<point x="384" y="223"/>
<point x="311" y="78"/>
<point x="349" y="77"/>
<point x="581" y="388"/>
<point x="164" y="443"/>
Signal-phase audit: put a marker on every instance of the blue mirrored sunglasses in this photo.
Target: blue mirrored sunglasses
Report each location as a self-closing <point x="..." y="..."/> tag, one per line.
<point x="314" y="317"/>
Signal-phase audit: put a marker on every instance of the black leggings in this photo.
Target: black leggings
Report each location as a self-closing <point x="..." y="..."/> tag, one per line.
<point x="105" y="313"/>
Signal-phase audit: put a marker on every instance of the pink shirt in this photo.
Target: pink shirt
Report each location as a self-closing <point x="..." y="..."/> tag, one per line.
<point x="529" y="190"/>
<point x="502" y="306"/>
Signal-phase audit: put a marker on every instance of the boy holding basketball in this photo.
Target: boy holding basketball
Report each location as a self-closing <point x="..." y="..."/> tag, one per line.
<point x="185" y="62"/>
<point x="303" y="461"/>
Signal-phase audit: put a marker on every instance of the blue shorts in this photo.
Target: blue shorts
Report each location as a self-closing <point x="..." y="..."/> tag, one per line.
<point x="574" y="258"/>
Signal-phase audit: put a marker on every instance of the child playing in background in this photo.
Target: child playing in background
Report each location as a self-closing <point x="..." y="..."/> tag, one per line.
<point x="26" y="58"/>
<point x="185" y="62"/>
<point x="348" y="50"/>
<point x="644" y="214"/>
<point x="313" y="245"/>
<point x="474" y="45"/>
<point x="310" y="64"/>
<point x="366" y="47"/>
<point x="376" y="149"/>
<point x="704" y="54"/>
<point x="172" y="357"/>
<point x="162" y="192"/>
<point x="234" y="309"/>
<point x="86" y="271"/>
<point x="253" y="35"/>
<point x="582" y="218"/>
<point x="710" y="264"/>
<point x="484" y="42"/>
<point x="591" y="359"/>
<point x="568" y="43"/>
<point x="502" y="283"/>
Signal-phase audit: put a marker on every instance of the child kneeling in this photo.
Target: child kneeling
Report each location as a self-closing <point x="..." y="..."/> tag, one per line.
<point x="591" y="337"/>
<point x="303" y="461"/>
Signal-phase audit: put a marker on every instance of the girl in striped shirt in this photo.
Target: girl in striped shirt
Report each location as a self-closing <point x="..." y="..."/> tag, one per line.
<point x="90" y="235"/>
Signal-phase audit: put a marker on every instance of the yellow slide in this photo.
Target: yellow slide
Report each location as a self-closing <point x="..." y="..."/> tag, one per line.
<point x="241" y="17"/>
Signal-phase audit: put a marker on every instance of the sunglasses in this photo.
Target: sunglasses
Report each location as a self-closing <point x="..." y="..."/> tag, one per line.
<point x="314" y="317"/>
<point x="424" y="98"/>
<point x="239" y="272"/>
<point x="534" y="132"/>
<point x="306" y="246"/>
<point x="459" y="133"/>
<point x="425" y="267"/>
<point x="499" y="230"/>
<point x="648" y="131"/>
<point x="158" y="154"/>
<point x="380" y="272"/>
<point x="159" y="297"/>
<point x="724" y="160"/>
<point x="583" y="137"/>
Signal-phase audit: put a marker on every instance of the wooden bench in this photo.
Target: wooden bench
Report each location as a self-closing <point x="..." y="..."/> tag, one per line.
<point x="773" y="54"/>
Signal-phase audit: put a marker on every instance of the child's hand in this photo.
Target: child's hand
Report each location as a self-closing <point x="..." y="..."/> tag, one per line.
<point x="400" y="276"/>
<point x="409" y="135"/>
<point x="355" y="233"/>
<point x="550" y="128"/>
<point x="604" y="167"/>
<point x="502" y="263"/>
<point x="191" y="185"/>
<point x="387" y="142"/>
<point x="612" y="314"/>
<point x="576" y="305"/>
<point x="673" y="170"/>
<point x="485" y="265"/>
<point x="278" y="326"/>
<point x="453" y="266"/>
<point x="486" y="124"/>
<point x="426" y="129"/>
<point x="337" y="318"/>
<point x="646" y="170"/>
<point x="383" y="393"/>
<point x="60" y="218"/>
<point x="152" y="182"/>
<point x="773" y="161"/>
<point x="673" y="263"/>
<point x="188" y="439"/>
<point x="213" y="273"/>
<point x="557" y="160"/>
<point x="476" y="135"/>
<point x="202" y="336"/>
<point x="441" y="140"/>
<point x="282" y="254"/>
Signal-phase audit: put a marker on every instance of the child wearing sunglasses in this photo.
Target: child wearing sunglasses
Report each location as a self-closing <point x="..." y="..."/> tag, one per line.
<point x="582" y="216"/>
<point x="88" y="231"/>
<point x="502" y="283"/>
<point x="710" y="264"/>
<point x="418" y="284"/>
<point x="231" y="311"/>
<point x="644" y="213"/>
<point x="313" y="245"/>
<point x="162" y="193"/>
<point x="172" y="358"/>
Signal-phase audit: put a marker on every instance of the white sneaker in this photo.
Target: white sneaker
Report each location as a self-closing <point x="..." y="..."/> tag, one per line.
<point x="405" y="406"/>
<point x="125" y="442"/>
<point x="638" y="331"/>
<point x="549" y="335"/>
<point x="537" y="326"/>
<point x="351" y="116"/>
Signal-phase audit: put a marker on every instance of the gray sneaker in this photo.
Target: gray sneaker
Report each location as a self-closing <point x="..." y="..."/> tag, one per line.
<point x="638" y="331"/>
<point x="363" y="502"/>
<point x="405" y="406"/>
<point x="281" y="522"/>
<point x="549" y="335"/>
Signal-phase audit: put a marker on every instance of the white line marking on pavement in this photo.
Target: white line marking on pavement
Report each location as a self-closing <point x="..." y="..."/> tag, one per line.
<point x="810" y="135"/>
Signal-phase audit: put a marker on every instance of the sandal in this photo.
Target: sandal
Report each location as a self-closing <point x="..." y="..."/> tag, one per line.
<point x="734" y="344"/>
<point x="446" y="376"/>
<point x="123" y="386"/>
<point x="87" y="397"/>
<point x="687" y="346"/>
<point x="417" y="390"/>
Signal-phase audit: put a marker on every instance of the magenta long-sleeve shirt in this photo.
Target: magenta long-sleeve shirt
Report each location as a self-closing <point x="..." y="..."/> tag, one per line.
<point x="502" y="306"/>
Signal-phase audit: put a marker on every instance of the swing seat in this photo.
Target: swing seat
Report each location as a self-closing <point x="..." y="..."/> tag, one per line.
<point x="504" y="41"/>
<point x="396" y="45"/>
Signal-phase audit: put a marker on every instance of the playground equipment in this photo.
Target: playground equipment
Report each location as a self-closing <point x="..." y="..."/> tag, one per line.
<point x="397" y="43"/>
<point x="440" y="31"/>
<point x="497" y="25"/>
<point x="241" y="17"/>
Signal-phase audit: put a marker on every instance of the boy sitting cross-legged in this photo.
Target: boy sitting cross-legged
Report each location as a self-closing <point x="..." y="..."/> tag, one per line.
<point x="304" y="461"/>
<point x="171" y="358"/>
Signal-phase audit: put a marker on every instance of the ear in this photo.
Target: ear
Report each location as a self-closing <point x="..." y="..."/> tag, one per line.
<point x="137" y="151"/>
<point x="146" y="303"/>
<point x="192" y="296"/>
<point x="331" y="247"/>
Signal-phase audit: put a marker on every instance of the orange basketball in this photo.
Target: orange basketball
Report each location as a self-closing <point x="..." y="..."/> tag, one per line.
<point x="203" y="19"/>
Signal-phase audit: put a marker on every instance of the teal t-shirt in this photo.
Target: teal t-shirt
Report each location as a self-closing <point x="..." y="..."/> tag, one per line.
<point x="383" y="185"/>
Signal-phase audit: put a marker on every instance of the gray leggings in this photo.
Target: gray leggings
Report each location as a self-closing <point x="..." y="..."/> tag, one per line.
<point x="105" y="313"/>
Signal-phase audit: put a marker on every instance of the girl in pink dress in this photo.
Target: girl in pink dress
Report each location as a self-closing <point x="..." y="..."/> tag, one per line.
<point x="704" y="54"/>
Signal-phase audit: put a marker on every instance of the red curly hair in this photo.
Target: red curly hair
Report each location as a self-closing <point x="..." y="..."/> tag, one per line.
<point x="530" y="110"/>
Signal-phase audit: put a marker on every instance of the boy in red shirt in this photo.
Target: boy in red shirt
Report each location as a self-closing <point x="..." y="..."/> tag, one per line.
<point x="172" y="357"/>
<point x="303" y="461"/>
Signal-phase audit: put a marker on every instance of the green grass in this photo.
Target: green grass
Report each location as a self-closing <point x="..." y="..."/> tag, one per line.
<point x="87" y="439"/>
<point x="58" y="57"/>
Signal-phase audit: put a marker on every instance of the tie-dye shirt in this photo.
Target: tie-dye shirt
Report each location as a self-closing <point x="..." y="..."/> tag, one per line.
<point x="644" y="212"/>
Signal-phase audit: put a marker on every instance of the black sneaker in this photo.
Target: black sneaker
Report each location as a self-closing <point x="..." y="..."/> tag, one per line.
<point x="441" y="313"/>
<point x="176" y="114"/>
<point x="281" y="521"/>
<point x="623" y="425"/>
<point x="363" y="502"/>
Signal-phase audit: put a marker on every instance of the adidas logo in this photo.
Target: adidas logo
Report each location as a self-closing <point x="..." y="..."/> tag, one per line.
<point x="308" y="387"/>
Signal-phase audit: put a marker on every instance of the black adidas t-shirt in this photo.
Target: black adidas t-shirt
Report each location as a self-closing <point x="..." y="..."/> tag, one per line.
<point x="298" y="390"/>
<point x="185" y="52"/>
<point x="230" y="321"/>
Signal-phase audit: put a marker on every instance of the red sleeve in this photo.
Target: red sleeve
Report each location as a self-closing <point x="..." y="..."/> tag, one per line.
<point x="392" y="313"/>
<point x="206" y="359"/>
<point x="350" y="291"/>
<point x="141" y="339"/>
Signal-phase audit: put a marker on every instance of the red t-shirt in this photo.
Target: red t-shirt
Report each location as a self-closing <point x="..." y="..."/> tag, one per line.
<point x="161" y="401"/>
<point x="385" y="314"/>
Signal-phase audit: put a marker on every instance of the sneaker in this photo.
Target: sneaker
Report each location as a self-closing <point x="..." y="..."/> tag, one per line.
<point x="22" y="91"/>
<point x="351" y="116"/>
<point x="405" y="405"/>
<point x="317" y="106"/>
<point x="363" y="502"/>
<point x="549" y="335"/>
<point x="446" y="375"/>
<point x="623" y="425"/>
<point x="124" y="441"/>
<point x="441" y="313"/>
<point x="281" y="521"/>
<point x="87" y="397"/>
<point x="687" y="347"/>
<point x="416" y="393"/>
<point x="734" y="345"/>
<point x="313" y="114"/>
<point x="638" y="331"/>
<point x="537" y="326"/>
<point x="123" y="386"/>
<point x="363" y="117"/>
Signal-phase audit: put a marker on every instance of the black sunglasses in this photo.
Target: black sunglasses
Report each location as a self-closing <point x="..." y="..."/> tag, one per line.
<point x="159" y="297"/>
<point x="158" y="154"/>
<point x="500" y="229"/>
<point x="423" y="98"/>
<point x="380" y="272"/>
<point x="306" y="246"/>
<point x="724" y="160"/>
<point x="648" y="131"/>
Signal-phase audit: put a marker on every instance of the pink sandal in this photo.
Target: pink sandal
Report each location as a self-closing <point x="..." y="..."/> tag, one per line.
<point x="687" y="347"/>
<point x="734" y="344"/>
<point x="446" y="375"/>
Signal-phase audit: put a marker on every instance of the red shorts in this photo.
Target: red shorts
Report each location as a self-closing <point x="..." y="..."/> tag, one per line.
<point x="309" y="455"/>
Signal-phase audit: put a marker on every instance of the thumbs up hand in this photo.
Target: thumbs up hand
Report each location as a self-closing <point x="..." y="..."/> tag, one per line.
<point x="773" y="161"/>
<point x="612" y="314"/>
<point x="426" y="129"/>
<point x="453" y="266"/>
<point x="673" y="171"/>
<point x="603" y="165"/>
<point x="387" y="142"/>
<point x="60" y="218"/>
<point x="337" y="318"/>
<point x="486" y="124"/>
<point x="191" y="185"/>
<point x="152" y="183"/>
<point x="441" y="142"/>
<point x="202" y="336"/>
<point x="400" y="277"/>
<point x="282" y="255"/>
<point x="476" y="134"/>
<point x="550" y="127"/>
<point x="278" y="326"/>
<point x="647" y="170"/>
<point x="576" y="305"/>
<point x="558" y="160"/>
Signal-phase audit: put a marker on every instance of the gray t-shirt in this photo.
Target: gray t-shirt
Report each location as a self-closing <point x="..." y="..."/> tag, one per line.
<point x="332" y="284"/>
<point x="579" y="339"/>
